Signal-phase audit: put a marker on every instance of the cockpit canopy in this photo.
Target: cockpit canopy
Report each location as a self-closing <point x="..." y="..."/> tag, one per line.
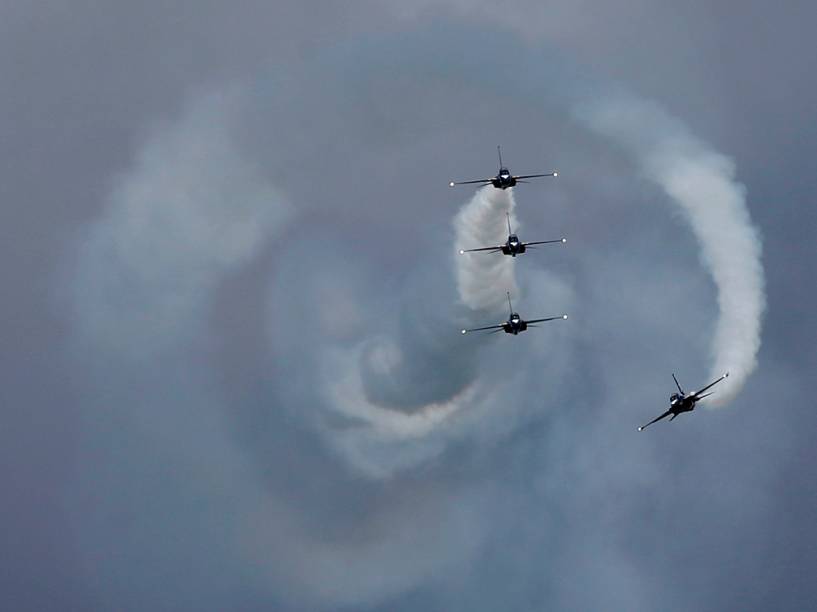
<point x="674" y="397"/>
<point x="504" y="172"/>
<point x="514" y="317"/>
<point x="513" y="238"/>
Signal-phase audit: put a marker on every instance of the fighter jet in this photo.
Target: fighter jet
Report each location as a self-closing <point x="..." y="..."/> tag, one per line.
<point x="514" y="324"/>
<point x="681" y="402"/>
<point x="503" y="178"/>
<point x="512" y="246"/>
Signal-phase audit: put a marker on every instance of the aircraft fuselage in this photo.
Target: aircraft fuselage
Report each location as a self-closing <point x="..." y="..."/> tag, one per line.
<point x="503" y="179"/>
<point x="680" y="403"/>
<point x="513" y="246"/>
<point x="514" y="325"/>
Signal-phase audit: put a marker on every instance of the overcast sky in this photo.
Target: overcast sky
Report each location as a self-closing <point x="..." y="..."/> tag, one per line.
<point x="232" y="373"/>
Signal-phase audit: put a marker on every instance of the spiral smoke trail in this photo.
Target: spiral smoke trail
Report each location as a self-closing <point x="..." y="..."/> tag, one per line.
<point x="701" y="181"/>
<point x="196" y="208"/>
<point x="402" y="390"/>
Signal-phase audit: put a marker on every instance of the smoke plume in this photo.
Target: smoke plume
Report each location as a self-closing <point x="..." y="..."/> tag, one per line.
<point x="483" y="280"/>
<point x="148" y="270"/>
<point x="701" y="181"/>
<point x="403" y="391"/>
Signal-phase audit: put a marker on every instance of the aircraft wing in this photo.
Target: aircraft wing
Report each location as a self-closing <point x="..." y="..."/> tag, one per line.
<point x="698" y="393"/>
<point x="493" y="248"/>
<point x="547" y="319"/>
<point x="562" y="240"/>
<point x="658" y="418"/>
<point x="496" y="327"/>
<point x="483" y="181"/>
<point x="526" y="176"/>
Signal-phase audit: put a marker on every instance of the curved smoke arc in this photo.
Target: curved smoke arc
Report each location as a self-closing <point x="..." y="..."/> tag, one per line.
<point x="702" y="183"/>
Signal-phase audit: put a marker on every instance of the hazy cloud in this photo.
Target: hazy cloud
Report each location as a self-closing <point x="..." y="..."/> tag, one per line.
<point x="242" y="382"/>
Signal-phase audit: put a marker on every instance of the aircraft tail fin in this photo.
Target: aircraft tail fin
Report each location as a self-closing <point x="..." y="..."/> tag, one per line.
<point x="510" y="306"/>
<point x="508" y="217"/>
<point x="499" y="153"/>
<point x="677" y="384"/>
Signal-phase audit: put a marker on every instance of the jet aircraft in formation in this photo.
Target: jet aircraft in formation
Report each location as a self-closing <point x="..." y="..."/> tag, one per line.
<point x="681" y="402"/>
<point x="515" y="324"/>
<point x="503" y="178"/>
<point x="512" y="246"/>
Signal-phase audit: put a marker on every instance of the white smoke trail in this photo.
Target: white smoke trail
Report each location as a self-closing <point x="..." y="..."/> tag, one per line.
<point x="364" y="383"/>
<point x="383" y="438"/>
<point x="191" y="211"/>
<point x="482" y="280"/>
<point x="702" y="182"/>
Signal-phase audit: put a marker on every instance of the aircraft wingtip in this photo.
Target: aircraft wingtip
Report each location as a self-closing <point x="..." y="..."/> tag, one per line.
<point x="451" y="184"/>
<point x="640" y="428"/>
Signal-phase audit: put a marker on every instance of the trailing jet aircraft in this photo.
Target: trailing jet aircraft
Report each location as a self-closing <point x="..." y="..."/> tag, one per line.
<point x="681" y="402"/>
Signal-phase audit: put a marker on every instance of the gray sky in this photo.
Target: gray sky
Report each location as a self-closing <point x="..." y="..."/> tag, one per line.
<point x="232" y="374"/>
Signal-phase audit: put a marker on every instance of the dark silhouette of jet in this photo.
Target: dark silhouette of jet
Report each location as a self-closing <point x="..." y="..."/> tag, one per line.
<point x="503" y="178"/>
<point x="512" y="246"/>
<point x="515" y="324"/>
<point x="681" y="402"/>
